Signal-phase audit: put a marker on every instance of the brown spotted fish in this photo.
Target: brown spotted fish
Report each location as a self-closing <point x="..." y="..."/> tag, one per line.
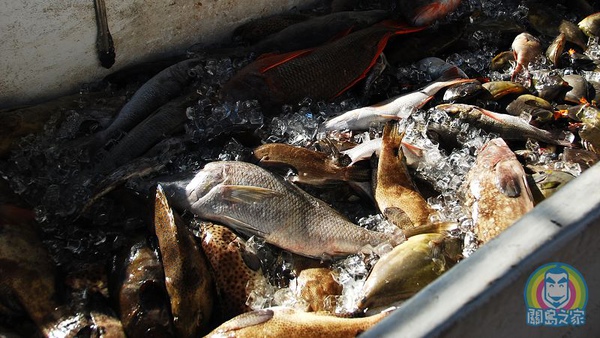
<point x="288" y="322"/>
<point x="496" y="190"/>
<point x="234" y="269"/>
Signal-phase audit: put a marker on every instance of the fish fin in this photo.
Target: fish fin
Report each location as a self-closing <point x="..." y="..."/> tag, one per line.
<point x="247" y="319"/>
<point x="393" y="137"/>
<point x="508" y="178"/>
<point x="243" y="227"/>
<point x="341" y="34"/>
<point x="379" y="49"/>
<point x="247" y="194"/>
<point x="279" y="59"/>
<point x="490" y="114"/>
<point x="413" y="149"/>
<point x="399" y="217"/>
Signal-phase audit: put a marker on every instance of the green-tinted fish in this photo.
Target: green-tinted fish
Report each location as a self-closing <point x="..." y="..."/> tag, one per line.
<point x="252" y="200"/>
<point x="406" y="269"/>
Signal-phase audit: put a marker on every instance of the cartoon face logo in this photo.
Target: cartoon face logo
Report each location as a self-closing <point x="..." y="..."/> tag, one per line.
<point x="556" y="287"/>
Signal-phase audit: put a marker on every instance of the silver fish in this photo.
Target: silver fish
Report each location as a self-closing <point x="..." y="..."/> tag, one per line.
<point x="254" y="201"/>
<point x="496" y="190"/>
<point x="395" y="108"/>
<point x="508" y="126"/>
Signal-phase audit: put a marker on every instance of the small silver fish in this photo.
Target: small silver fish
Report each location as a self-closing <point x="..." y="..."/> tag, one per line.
<point x="255" y="201"/>
<point x="508" y="126"/>
<point x="395" y="108"/>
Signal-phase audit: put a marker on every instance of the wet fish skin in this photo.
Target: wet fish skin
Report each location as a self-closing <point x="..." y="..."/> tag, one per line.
<point x="425" y="12"/>
<point x="234" y="269"/>
<point x="138" y="283"/>
<point x="318" y="30"/>
<point x="157" y="91"/>
<point x="28" y="272"/>
<point x="394" y="108"/>
<point x="282" y="321"/>
<point x="187" y="277"/>
<point x="526" y="49"/>
<point x="253" y="201"/>
<point x="257" y="29"/>
<point x="314" y="285"/>
<point x="394" y="188"/>
<point x="496" y="190"/>
<point x="404" y="271"/>
<point x="321" y="73"/>
<point x="311" y="167"/>
<point x="162" y="123"/>
<point x="590" y="25"/>
<point x="507" y="126"/>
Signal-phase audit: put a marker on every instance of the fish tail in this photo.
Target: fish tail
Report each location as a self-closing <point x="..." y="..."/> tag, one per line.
<point x="392" y="135"/>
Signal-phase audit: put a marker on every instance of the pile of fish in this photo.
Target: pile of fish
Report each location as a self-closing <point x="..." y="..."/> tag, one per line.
<point x="319" y="169"/>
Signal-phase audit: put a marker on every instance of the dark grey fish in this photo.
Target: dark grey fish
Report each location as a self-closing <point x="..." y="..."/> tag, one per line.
<point x="162" y="88"/>
<point x="104" y="42"/>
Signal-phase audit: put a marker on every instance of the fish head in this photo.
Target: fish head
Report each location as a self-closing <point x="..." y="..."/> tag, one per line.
<point x="423" y="13"/>
<point x="206" y="179"/>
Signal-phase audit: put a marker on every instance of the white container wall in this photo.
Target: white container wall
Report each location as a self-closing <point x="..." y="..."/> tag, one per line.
<point x="49" y="47"/>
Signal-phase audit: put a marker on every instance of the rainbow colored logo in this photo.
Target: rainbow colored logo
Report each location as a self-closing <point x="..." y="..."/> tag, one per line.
<point x="556" y="295"/>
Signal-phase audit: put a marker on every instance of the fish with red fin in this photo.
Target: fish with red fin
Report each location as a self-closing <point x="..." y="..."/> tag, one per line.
<point x="425" y="12"/>
<point x="320" y="73"/>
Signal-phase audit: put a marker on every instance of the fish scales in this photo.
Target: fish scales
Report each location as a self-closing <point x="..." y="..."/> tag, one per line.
<point x="496" y="190"/>
<point x="331" y="69"/>
<point x="255" y="201"/>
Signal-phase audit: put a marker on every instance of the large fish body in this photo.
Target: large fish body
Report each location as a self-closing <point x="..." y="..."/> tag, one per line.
<point x="163" y="87"/>
<point x="282" y="321"/>
<point x="318" y="30"/>
<point x="496" y="190"/>
<point x="507" y="126"/>
<point x="395" y="191"/>
<point x="254" y="201"/>
<point x="395" y="108"/>
<point x="321" y="73"/>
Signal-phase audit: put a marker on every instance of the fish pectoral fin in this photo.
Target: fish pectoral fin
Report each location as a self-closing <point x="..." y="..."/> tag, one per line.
<point x="399" y="217"/>
<point x="247" y="320"/>
<point x="243" y="227"/>
<point x="247" y="194"/>
<point x="509" y="178"/>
